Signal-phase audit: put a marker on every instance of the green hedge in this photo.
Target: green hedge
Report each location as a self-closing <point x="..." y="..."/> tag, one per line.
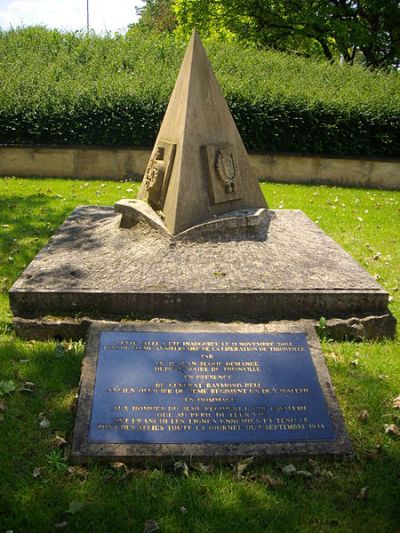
<point x="66" y="88"/>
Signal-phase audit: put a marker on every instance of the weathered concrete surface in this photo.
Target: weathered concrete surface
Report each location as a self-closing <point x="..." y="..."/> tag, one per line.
<point x="251" y="223"/>
<point x="114" y="163"/>
<point x="83" y="451"/>
<point x="93" y="268"/>
<point x="360" y="329"/>
<point x="338" y="329"/>
<point x="342" y="171"/>
<point x="199" y="167"/>
<point x="83" y="162"/>
<point x="135" y="211"/>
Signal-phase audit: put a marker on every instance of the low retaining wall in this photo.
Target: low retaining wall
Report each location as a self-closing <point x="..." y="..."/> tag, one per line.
<point x="130" y="163"/>
<point x="346" y="171"/>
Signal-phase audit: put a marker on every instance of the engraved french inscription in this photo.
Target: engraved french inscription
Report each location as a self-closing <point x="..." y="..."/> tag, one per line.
<point x="224" y="177"/>
<point x="207" y="388"/>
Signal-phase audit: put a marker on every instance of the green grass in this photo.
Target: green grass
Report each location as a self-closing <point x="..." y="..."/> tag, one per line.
<point x="366" y="224"/>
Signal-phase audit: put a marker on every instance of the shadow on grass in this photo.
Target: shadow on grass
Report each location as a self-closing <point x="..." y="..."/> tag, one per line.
<point x="216" y="502"/>
<point x="27" y="223"/>
<point x="20" y="223"/>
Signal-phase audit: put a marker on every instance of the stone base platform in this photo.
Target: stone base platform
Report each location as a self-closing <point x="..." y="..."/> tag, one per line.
<point x="92" y="268"/>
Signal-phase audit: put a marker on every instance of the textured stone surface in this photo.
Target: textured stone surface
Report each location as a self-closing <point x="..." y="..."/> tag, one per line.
<point x="208" y="173"/>
<point x="249" y="223"/>
<point x="358" y="329"/>
<point x="135" y="211"/>
<point x="93" y="267"/>
<point x="116" y="163"/>
<point x="82" y="450"/>
<point x="242" y="223"/>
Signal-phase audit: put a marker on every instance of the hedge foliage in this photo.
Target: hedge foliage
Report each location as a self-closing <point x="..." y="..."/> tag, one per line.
<point x="71" y="88"/>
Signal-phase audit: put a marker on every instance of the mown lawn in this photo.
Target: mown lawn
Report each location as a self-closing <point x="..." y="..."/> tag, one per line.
<point x="39" y="488"/>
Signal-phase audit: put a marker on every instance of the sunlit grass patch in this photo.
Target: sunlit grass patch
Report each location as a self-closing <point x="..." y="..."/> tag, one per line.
<point x="356" y="494"/>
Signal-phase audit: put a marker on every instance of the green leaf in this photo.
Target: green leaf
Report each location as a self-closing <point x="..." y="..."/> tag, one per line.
<point x="6" y="387"/>
<point x="75" y="507"/>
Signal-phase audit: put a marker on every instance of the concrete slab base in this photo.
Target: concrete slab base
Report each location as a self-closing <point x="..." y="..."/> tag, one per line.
<point x="83" y="450"/>
<point x="93" y="268"/>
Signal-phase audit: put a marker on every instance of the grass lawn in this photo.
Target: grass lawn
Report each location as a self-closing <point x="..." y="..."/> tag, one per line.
<point x="38" y="487"/>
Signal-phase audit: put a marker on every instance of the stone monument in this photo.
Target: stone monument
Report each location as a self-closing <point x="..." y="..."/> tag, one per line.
<point x="199" y="171"/>
<point x="198" y="243"/>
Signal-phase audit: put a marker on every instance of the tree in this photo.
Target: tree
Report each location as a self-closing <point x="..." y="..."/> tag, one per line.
<point x="157" y="15"/>
<point x="334" y="27"/>
<point x="379" y="22"/>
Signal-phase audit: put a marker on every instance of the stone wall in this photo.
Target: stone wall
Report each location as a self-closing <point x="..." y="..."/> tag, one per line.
<point x="130" y="163"/>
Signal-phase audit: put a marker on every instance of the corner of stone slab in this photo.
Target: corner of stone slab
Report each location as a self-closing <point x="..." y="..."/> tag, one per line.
<point x="373" y="327"/>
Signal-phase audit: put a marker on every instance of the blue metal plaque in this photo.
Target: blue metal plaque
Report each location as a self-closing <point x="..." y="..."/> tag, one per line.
<point x="191" y="388"/>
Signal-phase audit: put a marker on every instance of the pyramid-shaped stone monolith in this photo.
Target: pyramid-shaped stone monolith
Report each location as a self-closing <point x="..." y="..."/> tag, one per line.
<point x="199" y="168"/>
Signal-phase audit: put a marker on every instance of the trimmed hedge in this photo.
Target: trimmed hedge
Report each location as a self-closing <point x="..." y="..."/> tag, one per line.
<point x="70" y="88"/>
